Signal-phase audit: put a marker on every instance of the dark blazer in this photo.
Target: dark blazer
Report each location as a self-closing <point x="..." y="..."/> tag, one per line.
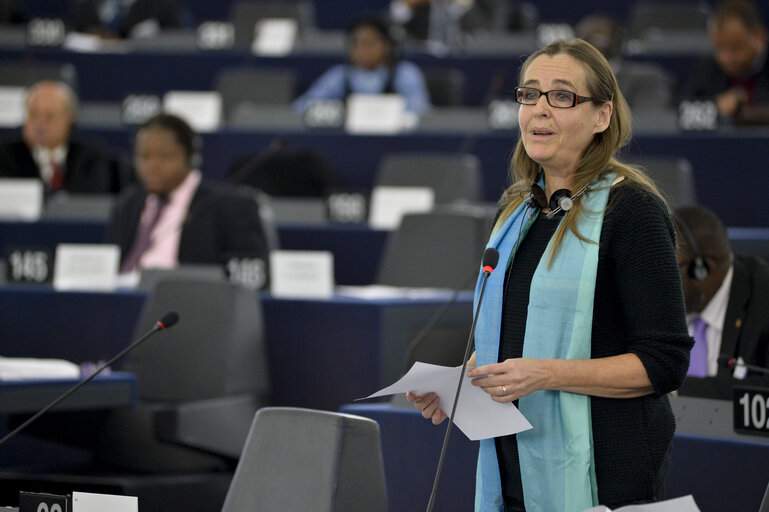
<point x="87" y="170"/>
<point x="222" y="222"/>
<point x="707" y="81"/>
<point x="746" y="330"/>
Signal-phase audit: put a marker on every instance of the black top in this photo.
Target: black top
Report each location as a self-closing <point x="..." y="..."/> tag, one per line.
<point x="638" y="309"/>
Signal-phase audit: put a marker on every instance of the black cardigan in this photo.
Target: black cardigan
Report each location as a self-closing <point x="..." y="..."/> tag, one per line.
<point x="638" y="308"/>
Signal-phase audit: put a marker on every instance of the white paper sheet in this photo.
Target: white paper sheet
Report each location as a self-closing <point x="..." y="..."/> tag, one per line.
<point x="682" y="504"/>
<point x="21" y="368"/>
<point x="90" y="502"/>
<point x="477" y="415"/>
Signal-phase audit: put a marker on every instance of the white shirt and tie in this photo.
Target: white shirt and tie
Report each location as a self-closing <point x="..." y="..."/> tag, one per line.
<point x="713" y="315"/>
<point x="46" y="159"/>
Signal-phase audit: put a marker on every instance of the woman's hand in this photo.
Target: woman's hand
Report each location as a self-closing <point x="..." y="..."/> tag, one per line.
<point x="428" y="404"/>
<point x="622" y="376"/>
<point x="511" y="379"/>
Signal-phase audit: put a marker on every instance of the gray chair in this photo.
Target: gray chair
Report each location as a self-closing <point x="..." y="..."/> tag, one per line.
<point x="25" y="73"/>
<point x="245" y="15"/>
<point x="302" y="459"/>
<point x="166" y="40"/>
<point x="299" y="210"/>
<point x="444" y="345"/>
<point x="79" y="207"/>
<point x="453" y="176"/>
<point x="673" y="176"/>
<point x="198" y="387"/>
<point x="150" y="277"/>
<point x="200" y="384"/>
<point x="446" y="86"/>
<point x="439" y="249"/>
<point x="654" y="19"/>
<point x="254" y="87"/>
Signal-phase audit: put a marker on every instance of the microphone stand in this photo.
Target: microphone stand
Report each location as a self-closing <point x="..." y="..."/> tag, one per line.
<point x="159" y="326"/>
<point x="431" y="503"/>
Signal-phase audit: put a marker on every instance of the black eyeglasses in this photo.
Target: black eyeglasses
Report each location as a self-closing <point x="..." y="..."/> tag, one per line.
<point x="557" y="99"/>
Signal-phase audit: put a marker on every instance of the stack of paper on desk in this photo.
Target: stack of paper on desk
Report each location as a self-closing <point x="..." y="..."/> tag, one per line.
<point x="18" y="368"/>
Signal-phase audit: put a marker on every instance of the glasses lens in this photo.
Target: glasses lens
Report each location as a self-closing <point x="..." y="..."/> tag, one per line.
<point x="561" y="99"/>
<point x="526" y="95"/>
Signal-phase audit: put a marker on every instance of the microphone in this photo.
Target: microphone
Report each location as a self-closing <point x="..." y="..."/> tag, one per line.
<point x="489" y="263"/>
<point x="731" y="363"/>
<point x="166" y="322"/>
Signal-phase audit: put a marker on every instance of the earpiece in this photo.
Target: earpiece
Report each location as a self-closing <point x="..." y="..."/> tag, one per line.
<point x="698" y="268"/>
<point x="536" y="198"/>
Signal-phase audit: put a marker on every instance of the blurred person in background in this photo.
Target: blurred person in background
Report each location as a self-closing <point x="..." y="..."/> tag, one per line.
<point x="48" y="151"/>
<point x="727" y="301"/>
<point x="174" y="216"/>
<point x="736" y="76"/>
<point x="645" y="85"/>
<point x="449" y="23"/>
<point x="374" y="68"/>
<point x="123" y="18"/>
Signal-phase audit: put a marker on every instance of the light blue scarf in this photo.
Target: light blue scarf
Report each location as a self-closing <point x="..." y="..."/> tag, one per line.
<point x="556" y="456"/>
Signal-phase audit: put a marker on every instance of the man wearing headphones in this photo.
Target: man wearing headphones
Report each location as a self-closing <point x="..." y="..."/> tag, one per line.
<point x="727" y="305"/>
<point x="373" y="69"/>
<point x="175" y="216"/>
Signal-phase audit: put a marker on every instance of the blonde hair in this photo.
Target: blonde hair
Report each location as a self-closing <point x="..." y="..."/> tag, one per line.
<point x="598" y="158"/>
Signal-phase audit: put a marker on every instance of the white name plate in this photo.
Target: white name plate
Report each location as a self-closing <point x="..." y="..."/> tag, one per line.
<point x="274" y="37"/>
<point x="379" y="114"/>
<point x="12" y="106"/>
<point x="201" y="109"/>
<point x="302" y="274"/>
<point x="86" y="267"/>
<point x="89" y="502"/>
<point x="21" y="199"/>
<point x="390" y="204"/>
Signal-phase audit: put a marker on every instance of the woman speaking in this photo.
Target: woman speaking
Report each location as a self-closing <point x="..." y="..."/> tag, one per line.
<point x="584" y="329"/>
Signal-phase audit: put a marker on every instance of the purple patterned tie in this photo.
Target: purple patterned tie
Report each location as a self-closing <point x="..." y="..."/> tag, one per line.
<point x="143" y="240"/>
<point x="698" y="360"/>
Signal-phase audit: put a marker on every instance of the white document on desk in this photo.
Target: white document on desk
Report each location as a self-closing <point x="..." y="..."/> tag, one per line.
<point x="477" y="415"/>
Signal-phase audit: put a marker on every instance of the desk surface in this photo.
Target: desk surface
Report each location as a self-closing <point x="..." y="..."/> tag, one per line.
<point x="112" y="391"/>
<point x="357" y="249"/>
<point x="322" y="353"/>
<point x="722" y="474"/>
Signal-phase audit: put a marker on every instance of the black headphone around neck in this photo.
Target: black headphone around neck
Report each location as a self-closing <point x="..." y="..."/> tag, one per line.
<point x="560" y="200"/>
<point x="698" y="268"/>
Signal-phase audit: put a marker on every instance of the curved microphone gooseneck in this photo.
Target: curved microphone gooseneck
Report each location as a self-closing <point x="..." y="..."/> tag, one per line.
<point x="490" y="260"/>
<point x="168" y="320"/>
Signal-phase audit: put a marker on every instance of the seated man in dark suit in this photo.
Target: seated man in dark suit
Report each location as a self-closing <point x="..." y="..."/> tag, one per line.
<point x="645" y="85"/>
<point x="48" y="151"/>
<point x="736" y="77"/>
<point x="174" y="216"/>
<point x="727" y="305"/>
